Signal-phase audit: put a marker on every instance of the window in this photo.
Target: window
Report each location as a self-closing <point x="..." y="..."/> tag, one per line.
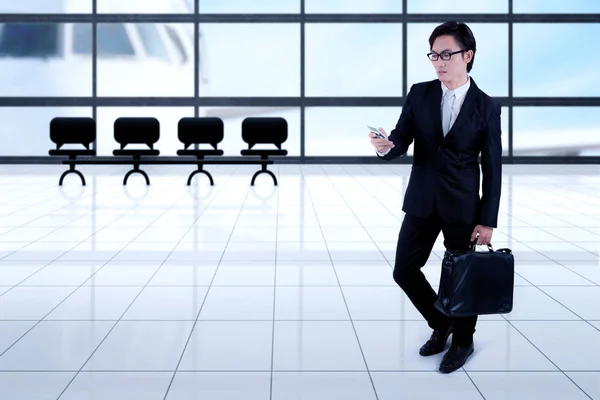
<point x="113" y="40"/>
<point x="250" y="59"/>
<point x="35" y="40"/>
<point x="556" y="6"/>
<point x="490" y="68"/>
<point x="353" y="6"/>
<point x="123" y="70"/>
<point x="353" y="59"/>
<point x="458" y="6"/>
<point x="34" y="62"/>
<point x="249" y="6"/>
<point x="153" y="41"/>
<point x="46" y="7"/>
<point x="168" y="117"/>
<point x="174" y="36"/>
<point x="232" y="118"/>
<point x="541" y="67"/>
<point x="146" y="7"/>
<point x="25" y="130"/>
<point x="556" y="131"/>
<point x="342" y="131"/>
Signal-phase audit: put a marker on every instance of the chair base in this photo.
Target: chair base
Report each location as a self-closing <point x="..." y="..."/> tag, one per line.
<point x="200" y="171"/>
<point x="263" y="170"/>
<point x="71" y="170"/>
<point x="136" y="169"/>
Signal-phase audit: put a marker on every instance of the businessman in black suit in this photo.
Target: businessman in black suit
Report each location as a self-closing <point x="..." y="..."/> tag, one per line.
<point x="451" y="122"/>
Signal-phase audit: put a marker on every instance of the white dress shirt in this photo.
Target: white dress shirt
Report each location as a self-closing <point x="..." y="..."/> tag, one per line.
<point x="460" y="94"/>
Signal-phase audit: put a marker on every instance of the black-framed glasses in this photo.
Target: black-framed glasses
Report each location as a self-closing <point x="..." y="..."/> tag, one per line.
<point x="445" y="55"/>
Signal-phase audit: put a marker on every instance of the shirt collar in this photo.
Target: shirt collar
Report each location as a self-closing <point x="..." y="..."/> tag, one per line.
<point x="459" y="91"/>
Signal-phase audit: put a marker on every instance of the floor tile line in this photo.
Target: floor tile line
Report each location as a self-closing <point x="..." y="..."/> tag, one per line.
<point x="195" y="323"/>
<point x="134" y="299"/>
<point x="432" y="371"/>
<point x="556" y="300"/>
<point x="307" y="185"/>
<point x="93" y="209"/>
<point x="274" y="290"/>
<point x="76" y="288"/>
<point x="547" y="357"/>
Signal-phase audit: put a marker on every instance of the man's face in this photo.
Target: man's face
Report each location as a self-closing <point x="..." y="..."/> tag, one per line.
<point x="454" y="68"/>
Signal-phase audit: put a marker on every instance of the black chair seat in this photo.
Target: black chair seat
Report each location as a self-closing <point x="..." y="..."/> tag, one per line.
<point x="264" y="152"/>
<point x="200" y="152"/>
<point x="136" y="152"/>
<point x="72" y="152"/>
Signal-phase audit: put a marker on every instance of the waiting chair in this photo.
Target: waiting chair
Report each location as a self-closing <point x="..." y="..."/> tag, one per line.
<point x="264" y="130"/>
<point x="197" y="131"/>
<point x="136" y="130"/>
<point x="72" y="130"/>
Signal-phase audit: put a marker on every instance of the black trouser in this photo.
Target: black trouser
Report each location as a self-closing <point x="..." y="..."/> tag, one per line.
<point x="415" y="243"/>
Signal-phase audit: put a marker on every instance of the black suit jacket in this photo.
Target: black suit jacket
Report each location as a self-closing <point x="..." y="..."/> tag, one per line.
<point x="445" y="172"/>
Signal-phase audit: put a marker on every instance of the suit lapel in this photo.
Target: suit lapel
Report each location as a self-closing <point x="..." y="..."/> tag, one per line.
<point x="435" y="107"/>
<point x="466" y="110"/>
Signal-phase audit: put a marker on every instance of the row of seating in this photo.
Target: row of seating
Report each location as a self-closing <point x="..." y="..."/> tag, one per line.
<point x="191" y="131"/>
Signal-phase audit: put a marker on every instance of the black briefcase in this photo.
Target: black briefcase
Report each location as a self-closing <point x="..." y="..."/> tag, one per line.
<point x="476" y="282"/>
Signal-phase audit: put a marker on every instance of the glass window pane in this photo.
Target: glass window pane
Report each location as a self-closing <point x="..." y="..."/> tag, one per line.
<point x="556" y="131"/>
<point x="169" y="117"/>
<point x="544" y="70"/>
<point x="556" y="6"/>
<point x="46" y="7"/>
<point x="352" y="123"/>
<point x="125" y="69"/>
<point x="249" y="6"/>
<point x="351" y="7"/>
<point x="250" y="60"/>
<point x="146" y="7"/>
<point x="153" y="41"/>
<point x="354" y="59"/>
<point x="490" y="68"/>
<point x="31" y="40"/>
<point x="36" y="60"/>
<point x="25" y="130"/>
<point x="342" y="131"/>
<point x="232" y="117"/>
<point x="458" y="6"/>
<point x="113" y="40"/>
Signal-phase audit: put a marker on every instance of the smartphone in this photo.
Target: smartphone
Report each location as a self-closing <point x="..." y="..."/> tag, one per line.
<point x="376" y="131"/>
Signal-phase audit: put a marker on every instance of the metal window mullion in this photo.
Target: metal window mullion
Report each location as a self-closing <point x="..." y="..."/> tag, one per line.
<point x="95" y="69"/>
<point x="510" y="81"/>
<point x="302" y="80"/>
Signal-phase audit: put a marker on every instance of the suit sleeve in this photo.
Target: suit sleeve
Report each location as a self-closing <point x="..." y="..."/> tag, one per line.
<point x="491" y="167"/>
<point x="402" y="134"/>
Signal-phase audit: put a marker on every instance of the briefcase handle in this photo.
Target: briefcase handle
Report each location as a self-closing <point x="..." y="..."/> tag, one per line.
<point x="489" y="246"/>
<point x="474" y="243"/>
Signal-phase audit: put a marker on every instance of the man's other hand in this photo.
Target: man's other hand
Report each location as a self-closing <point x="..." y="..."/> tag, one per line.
<point x="382" y="145"/>
<point x="485" y="235"/>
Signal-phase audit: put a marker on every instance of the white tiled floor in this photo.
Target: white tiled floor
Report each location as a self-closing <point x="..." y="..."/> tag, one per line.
<point x="239" y="292"/>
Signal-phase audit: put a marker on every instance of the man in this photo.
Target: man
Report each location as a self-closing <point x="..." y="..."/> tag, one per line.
<point x="451" y="122"/>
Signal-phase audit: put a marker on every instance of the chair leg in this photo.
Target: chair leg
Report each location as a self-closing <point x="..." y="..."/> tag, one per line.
<point x="200" y="171"/>
<point x="263" y="170"/>
<point x="136" y="169"/>
<point x="71" y="170"/>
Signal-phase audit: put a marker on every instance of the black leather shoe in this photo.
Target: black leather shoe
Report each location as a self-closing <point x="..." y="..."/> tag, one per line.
<point x="437" y="343"/>
<point x="455" y="357"/>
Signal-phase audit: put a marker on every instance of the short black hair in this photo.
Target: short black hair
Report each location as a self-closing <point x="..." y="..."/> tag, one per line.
<point x="461" y="33"/>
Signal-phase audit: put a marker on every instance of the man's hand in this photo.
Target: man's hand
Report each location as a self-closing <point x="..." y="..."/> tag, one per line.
<point x="485" y="235"/>
<point x="382" y="145"/>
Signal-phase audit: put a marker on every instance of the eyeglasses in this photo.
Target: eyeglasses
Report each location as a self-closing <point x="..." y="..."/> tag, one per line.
<point x="433" y="56"/>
